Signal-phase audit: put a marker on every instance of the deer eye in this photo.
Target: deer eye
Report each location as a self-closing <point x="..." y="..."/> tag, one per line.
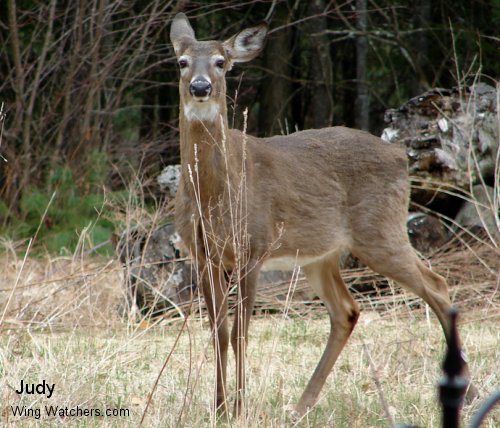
<point x="220" y="63"/>
<point x="183" y="63"/>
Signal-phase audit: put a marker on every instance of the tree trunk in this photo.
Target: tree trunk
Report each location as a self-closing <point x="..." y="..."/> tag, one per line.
<point x="320" y="111"/>
<point x="14" y="173"/>
<point x="362" y="120"/>
<point x="276" y="86"/>
<point x="422" y="23"/>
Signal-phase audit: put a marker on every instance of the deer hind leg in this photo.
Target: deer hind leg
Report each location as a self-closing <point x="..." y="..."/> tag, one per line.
<point x="239" y="333"/>
<point x="215" y="293"/>
<point x="400" y="263"/>
<point x="324" y="277"/>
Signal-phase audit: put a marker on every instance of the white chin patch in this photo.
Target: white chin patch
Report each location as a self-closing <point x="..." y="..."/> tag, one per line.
<point x="203" y="111"/>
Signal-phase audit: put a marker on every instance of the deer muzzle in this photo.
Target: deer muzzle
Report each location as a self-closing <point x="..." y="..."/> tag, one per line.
<point x="200" y="87"/>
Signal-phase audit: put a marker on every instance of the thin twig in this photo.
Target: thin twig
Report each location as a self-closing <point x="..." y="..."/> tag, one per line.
<point x="380" y="391"/>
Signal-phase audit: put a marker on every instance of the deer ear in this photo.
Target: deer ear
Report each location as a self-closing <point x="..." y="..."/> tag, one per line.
<point x="181" y="32"/>
<point x="247" y="44"/>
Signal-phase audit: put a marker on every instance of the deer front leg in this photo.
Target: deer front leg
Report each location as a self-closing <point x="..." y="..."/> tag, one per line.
<point x="324" y="277"/>
<point x="215" y="293"/>
<point x="239" y="335"/>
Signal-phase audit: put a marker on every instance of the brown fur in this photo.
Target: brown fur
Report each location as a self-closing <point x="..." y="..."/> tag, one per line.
<point x="311" y="196"/>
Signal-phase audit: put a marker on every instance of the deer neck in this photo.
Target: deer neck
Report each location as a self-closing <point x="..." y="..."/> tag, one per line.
<point x="208" y="156"/>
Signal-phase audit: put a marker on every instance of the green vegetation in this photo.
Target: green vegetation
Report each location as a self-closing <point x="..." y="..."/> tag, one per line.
<point x="68" y="212"/>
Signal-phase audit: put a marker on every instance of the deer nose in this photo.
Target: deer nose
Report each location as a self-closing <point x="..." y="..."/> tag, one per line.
<point x="200" y="87"/>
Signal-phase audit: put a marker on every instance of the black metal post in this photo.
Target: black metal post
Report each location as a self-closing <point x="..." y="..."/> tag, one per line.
<point x="452" y="385"/>
<point x="483" y="411"/>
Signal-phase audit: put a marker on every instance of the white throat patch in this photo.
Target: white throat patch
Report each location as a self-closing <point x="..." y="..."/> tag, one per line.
<point x="207" y="111"/>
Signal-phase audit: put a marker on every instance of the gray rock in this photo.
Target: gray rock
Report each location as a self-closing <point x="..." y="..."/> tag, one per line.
<point x="156" y="276"/>
<point x="426" y="232"/>
<point x="479" y="212"/>
<point x="169" y="179"/>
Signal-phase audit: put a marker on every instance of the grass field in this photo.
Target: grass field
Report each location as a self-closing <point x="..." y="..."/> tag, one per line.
<point x="65" y="321"/>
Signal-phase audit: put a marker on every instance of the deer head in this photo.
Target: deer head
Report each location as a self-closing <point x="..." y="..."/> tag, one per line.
<point x="203" y="66"/>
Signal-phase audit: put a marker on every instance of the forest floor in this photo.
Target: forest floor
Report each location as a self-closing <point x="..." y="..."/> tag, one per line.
<point x="65" y="322"/>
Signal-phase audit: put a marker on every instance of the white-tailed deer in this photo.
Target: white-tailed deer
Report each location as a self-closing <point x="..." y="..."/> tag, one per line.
<point x="307" y="198"/>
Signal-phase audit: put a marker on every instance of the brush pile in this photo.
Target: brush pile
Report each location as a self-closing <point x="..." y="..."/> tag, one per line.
<point x="451" y="138"/>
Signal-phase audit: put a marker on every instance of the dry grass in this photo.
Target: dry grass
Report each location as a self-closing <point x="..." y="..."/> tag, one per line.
<point x="67" y="322"/>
